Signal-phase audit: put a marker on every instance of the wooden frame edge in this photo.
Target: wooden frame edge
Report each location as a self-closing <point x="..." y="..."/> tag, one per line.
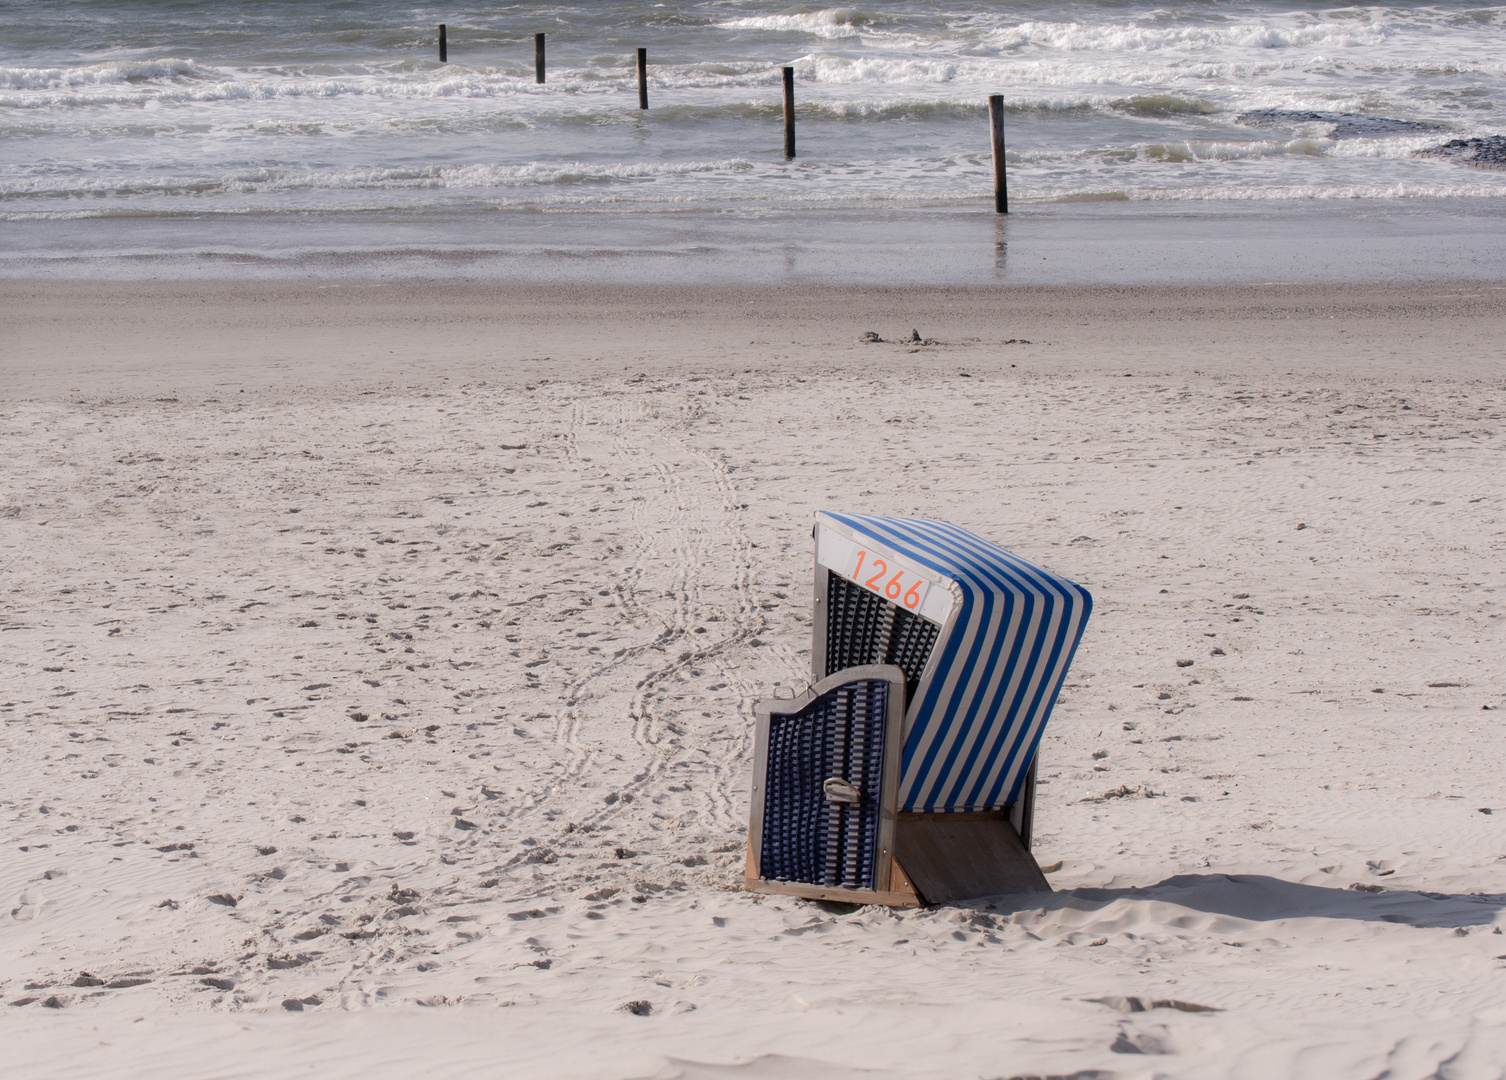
<point x="827" y="892"/>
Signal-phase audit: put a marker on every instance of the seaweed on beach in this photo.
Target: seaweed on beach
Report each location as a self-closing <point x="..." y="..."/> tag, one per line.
<point x="1486" y="153"/>
<point x="1342" y="125"/>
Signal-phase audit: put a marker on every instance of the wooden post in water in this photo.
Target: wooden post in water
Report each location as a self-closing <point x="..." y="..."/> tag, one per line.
<point x="444" y="52"/>
<point x="996" y="127"/>
<point x="642" y="78"/>
<point x="789" y="112"/>
<point x="538" y="58"/>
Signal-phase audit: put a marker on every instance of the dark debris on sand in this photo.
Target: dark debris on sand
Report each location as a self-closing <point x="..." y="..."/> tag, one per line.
<point x="871" y="337"/>
<point x="1486" y="153"/>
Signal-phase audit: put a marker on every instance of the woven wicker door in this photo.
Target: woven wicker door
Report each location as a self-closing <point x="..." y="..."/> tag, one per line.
<point x="824" y="788"/>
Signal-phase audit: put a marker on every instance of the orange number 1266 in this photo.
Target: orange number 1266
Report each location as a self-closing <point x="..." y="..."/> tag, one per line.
<point x="901" y="587"/>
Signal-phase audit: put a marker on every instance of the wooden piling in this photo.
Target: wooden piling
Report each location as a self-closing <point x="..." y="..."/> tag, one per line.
<point x="642" y="78"/>
<point x="996" y="127"/>
<point x="444" y="52"/>
<point x="538" y="58"/>
<point x="789" y="112"/>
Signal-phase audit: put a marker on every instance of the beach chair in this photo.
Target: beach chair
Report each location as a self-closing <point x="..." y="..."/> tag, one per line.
<point x="906" y="773"/>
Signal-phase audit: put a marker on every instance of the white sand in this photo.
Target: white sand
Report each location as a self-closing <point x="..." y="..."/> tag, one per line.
<point x="556" y="589"/>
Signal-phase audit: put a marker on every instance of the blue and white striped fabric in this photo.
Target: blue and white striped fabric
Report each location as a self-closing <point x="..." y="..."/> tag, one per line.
<point x="999" y="664"/>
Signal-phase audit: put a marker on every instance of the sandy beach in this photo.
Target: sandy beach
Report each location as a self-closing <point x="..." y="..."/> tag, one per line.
<point x="379" y="663"/>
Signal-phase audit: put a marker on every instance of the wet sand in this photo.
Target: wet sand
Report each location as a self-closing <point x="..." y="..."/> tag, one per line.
<point x="61" y="337"/>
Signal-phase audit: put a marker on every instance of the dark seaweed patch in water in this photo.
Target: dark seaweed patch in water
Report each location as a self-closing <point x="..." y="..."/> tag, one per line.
<point x="1343" y="125"/>
<point x="1486" y="153"/>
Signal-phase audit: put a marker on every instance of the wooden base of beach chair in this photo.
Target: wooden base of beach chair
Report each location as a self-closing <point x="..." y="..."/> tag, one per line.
<point x="899" y="894"/>
<point x="962" y="856"/>
<point x="843" y="896"/>
<point x="938" y="859"/>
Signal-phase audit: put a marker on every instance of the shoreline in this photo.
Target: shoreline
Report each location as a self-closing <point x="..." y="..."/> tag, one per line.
<point x="1119" y="242"/>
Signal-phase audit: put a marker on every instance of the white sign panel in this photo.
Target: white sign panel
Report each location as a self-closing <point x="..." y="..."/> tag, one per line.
<point x="884" y="575"/>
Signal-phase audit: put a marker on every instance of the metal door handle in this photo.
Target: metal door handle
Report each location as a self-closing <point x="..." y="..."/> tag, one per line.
<point x="838" y="790"/>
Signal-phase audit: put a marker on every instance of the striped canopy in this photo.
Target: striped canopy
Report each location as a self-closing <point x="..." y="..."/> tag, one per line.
<point x="996" y="669"/>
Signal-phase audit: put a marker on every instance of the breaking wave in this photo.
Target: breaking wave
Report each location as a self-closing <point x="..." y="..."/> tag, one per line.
<point x="1270" y="193"/>
<point x="112" y="73"/>
<point x="1129" y="37"/>
<point x="458" y="177"/>
<point x="837" y="22"/>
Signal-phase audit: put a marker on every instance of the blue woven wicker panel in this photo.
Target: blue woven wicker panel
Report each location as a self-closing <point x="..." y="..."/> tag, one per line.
<point x="806" y="838"/>
<point x="862" y="628"/>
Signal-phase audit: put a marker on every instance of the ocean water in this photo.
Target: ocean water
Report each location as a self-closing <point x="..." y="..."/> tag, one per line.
<point x="162" y="137"/>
